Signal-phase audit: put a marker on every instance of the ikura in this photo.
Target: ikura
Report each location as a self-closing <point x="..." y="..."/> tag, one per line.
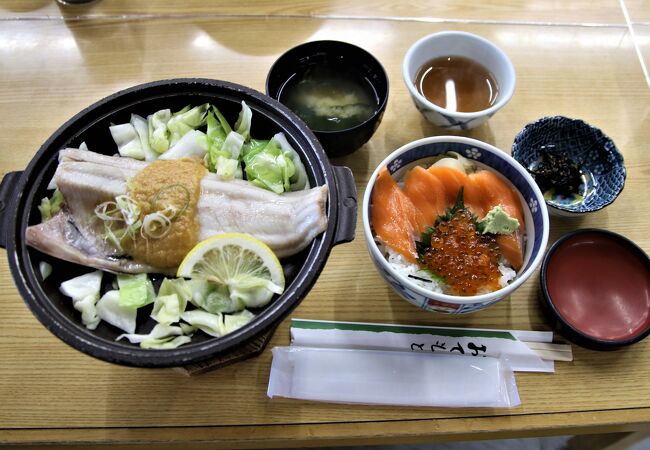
<point x="465" y="258"/>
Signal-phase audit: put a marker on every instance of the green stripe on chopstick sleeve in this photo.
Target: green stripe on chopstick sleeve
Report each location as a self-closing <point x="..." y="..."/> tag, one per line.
<point x="404" y="329"/>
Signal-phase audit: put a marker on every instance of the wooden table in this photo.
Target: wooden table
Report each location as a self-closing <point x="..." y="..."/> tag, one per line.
<point x="581" y="59"/>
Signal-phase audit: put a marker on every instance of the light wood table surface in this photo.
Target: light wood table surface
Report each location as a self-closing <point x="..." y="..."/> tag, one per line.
<point x="580" y="59"/>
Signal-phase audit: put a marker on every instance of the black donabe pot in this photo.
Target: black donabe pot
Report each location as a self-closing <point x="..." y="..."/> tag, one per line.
<point x="21" y="192"/>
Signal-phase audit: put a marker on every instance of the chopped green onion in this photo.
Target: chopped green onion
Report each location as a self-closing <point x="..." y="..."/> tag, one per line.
<point x="129" y="208"/>
<point x="186" y="201"/>
<point x="155" y="225"/>
<point x="123" y="210"/>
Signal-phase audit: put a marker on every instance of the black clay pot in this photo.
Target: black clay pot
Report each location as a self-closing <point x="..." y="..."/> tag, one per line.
<point x="21" y="192"/>
<point x="340" y="56"/>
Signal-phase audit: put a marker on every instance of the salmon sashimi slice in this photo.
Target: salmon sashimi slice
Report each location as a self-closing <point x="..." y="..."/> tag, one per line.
<point x="396" y="221"/>
<point x="427" y="193"/>
<point x="495" y="191"/>
<point x="453" y="179"/>
<point x="511" y="248"/>
<point x="473" y="197"/>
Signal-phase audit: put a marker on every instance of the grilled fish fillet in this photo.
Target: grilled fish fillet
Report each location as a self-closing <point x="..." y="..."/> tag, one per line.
<point x="287" y="223"/>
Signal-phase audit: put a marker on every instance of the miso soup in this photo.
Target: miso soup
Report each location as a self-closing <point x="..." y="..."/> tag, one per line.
<point x="330" y="99"/>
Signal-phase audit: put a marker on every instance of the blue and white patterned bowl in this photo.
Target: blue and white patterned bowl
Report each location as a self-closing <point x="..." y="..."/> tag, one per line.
<point x="471" y="46"/>
<point x="484" y="155"/>
<point x="593" y="152"/>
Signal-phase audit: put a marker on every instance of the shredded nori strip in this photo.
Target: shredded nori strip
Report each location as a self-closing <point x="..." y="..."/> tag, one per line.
<point x="418" y="278"/>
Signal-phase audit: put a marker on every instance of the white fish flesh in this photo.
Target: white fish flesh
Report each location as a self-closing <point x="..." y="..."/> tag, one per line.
<point x="287" y="223"/>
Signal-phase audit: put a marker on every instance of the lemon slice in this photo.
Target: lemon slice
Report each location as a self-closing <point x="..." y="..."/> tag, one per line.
<point x="245" y="265"/>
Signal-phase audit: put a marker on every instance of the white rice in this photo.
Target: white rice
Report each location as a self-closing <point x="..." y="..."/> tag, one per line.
<point x="424" y="279"/>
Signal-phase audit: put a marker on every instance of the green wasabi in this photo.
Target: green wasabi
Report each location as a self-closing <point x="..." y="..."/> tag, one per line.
<point x="497" y="221"/>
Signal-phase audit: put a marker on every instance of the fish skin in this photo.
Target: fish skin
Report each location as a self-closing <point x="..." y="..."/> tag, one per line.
<point x="86" y="179"/>
<point x="264" y="212"/>
<point x="61" y="237"/>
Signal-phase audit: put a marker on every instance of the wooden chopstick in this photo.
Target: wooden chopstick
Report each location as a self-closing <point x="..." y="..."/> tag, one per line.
<point x="553" y="352"/>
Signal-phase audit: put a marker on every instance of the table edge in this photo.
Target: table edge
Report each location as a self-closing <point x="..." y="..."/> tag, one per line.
<point x="345" y="433"/>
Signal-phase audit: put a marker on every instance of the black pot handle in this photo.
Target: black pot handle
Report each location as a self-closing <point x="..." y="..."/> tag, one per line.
<point x="347" y="204"/>
<point x="7" y="192"/>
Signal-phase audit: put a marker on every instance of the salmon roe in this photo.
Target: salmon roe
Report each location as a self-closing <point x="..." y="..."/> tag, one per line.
<point x="465" y="258"/>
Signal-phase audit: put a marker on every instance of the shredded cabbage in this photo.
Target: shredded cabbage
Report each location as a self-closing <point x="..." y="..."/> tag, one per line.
<point x="110" y="310"/>
<point x="172" y="299"/>
<point x="84" y="291"/>
<point x="158" y="132"/>
<point x="232" y="322"/>
<point x="224" y="147"/>
<point x="135" y="291"/>
<point x="212" y="297"/>
<point x="274" y="164"/>
<point x="228" y="165"/>
<point x="161" y="336"/>
<point x="165" y="343"/>
<point x="185" y="121"/>
<point x="168" y="309"/>
<point x="176" y="286"/>
<point x="87" y="285"/>
<point x="243" y="124"/>
<point x="142" y="128"/>
<point x="187" y="328"/>
<point x="222" y="120"/>
<point x="171" y="302"/>
<point x="217" y="325"/>
<point x="159" y="331"/>
<point x="127" y="140"/>
<point x="253" y="145"/>
<point x="211" y="324"/>
<point x="193" y="143"/>
<point x="270" y="167"/>
<point x="45" y="269"/>
<point x="254" y="292"/>
<point x="299" y="180"/>
<point x="87" y="306"/>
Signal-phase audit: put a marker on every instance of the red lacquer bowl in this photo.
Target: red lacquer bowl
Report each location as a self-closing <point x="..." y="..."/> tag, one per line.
<point x="596" y="287"/>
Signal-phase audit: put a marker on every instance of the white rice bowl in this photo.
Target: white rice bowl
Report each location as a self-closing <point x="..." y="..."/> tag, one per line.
<point x="425" y="292"/>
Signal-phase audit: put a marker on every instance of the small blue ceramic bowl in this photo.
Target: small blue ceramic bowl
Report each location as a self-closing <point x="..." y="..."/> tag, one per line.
<point x="421" y="152"/>
<point x="601" y="164"/>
